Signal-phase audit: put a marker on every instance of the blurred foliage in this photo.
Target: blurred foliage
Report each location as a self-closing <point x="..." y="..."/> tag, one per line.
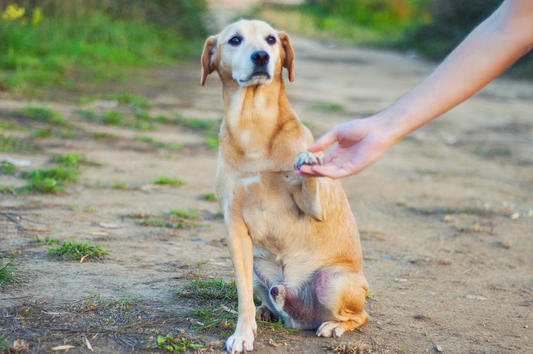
<point x="452" y="21"/>
<point x="47" y="42"/>
<point x="369" y="21"/>
<point x="432" y="28"/>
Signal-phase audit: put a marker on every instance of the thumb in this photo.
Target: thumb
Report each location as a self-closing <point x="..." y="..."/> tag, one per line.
<point x="325" y="141"/>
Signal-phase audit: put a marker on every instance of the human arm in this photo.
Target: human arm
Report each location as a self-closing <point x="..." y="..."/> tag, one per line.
<point x="491" y="48"/>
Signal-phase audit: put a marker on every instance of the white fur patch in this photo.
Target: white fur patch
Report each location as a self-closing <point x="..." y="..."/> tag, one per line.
<point x="249" y="180"/>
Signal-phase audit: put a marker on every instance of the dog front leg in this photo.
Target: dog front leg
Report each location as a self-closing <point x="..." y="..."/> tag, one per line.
<point x="240" y="245"/>
<point x="312" y="197"/>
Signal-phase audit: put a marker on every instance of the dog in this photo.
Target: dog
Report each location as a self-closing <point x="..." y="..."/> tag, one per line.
<point x="293" y="240"/>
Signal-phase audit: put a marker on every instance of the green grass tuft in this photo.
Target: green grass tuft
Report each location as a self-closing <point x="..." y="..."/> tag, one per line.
<point x="173" y="181"/>
<point x="496" y="152"/>
<point x="210" y="196"/>
<point x="74" y="160"/>
<point x="9" y="273"/>
<point x="71" y="250"/>
<point x="182" y="213"/>
<point x="14" y="144"/>
<point x="8" y="168"/>
<point x="328" y="106"/>
<point x="41" y="114"/>
<point x="49" y="181"/>
<point x="126" y="97"/>
<point x="104" y="135"/>
<point x="174" y="343"/>
<point x="119" y="185"/>
<point x="212" y="289"/>
<point x="44" y="133"/>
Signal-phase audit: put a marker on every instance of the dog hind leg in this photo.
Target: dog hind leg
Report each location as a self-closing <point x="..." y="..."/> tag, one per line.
<point x="343" y="295"/>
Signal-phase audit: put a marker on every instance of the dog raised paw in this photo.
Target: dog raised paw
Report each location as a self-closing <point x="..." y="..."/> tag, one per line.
<point x="307" y="158"/>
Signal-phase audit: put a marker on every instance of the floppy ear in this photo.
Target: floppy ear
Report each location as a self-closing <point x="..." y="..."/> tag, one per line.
<point x="207" y="64"/>
<point x="288" y="60"/>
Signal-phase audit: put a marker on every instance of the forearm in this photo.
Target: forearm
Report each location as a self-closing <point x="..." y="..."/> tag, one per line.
<point x="484" y="54"/>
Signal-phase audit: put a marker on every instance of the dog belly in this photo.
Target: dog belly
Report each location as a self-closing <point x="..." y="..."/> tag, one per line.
<point x="289" y="297"/>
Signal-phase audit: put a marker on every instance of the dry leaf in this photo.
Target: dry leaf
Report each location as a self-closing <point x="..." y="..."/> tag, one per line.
<point x="83" y="258"/>
<point x="515" y="216"/>
<point x="89" y="346"/>
<point x="99" y="234"/>
<point x="63" y="347"/>
<point x="35" y="229"/>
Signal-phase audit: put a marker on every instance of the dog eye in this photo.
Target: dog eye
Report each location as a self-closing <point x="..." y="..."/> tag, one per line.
<point x="271" y="40"/>
<point x="235" y="41"/>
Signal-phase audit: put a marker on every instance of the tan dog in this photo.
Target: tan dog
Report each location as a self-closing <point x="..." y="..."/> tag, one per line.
<point x="293" y="240"/>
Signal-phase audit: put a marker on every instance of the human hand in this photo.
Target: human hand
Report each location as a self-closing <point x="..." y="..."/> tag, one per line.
<point x="360" y="143"/>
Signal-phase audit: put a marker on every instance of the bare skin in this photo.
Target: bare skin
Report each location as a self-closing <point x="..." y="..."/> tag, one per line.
<point x="490" y="49"/>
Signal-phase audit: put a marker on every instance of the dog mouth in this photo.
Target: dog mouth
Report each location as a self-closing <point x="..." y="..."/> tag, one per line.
<point x="257" y="76"/>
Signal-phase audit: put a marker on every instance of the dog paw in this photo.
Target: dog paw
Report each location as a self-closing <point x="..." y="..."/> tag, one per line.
<point x="263" y="313"/>
<point x="240" y="343"/>
<point x="330" y="329"/>
<point x="242" y="340"/>
<point x="307" y="158"/>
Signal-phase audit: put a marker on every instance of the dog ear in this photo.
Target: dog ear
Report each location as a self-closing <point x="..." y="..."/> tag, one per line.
<point x="288" y="58"/>
<point x="207" y="64"/>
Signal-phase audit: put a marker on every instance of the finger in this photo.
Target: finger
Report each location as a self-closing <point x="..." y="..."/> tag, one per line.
<point x="325" y="141"/>
<point x="330" y="170"/>
<point x="305" y="171"/>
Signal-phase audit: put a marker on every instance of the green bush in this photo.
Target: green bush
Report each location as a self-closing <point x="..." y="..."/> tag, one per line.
<point x="50" y="45"/>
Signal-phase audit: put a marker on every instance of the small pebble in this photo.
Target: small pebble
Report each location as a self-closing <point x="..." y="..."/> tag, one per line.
<point x="515" y="216"/>
<point x="526" y="326"/>
<point x="439" y="348"/>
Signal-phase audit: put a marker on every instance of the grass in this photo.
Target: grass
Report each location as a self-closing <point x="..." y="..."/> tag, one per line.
<point x="211" y="289"/>
<point x="74" y="160"/>
<point x="328" y="106"/>
<point x="71" y="250"/>
<point x="171" y="181"/>
<point x="496" y="152"/>
<point x="44" y="133"/>
<point x="104" y="135"/>
<point x="47" y="240"/>
<point x="14" y="144"/>
<point x="210" y="127"/>
<point x="61" y="44"/>
<point x="210" y="196"/>
<point x="171" y="344"/>
<point x="119" y="185"/>
<point x="9" y="273"/>
<point x="11" y="126"/>
<point x="158" y="144"/>
<point x="126" y="97"/>
<point x="40" y="114"/>
<point x="184" y="214"/>
<point x="8" y="168"/>
<point x="50" y="180"/>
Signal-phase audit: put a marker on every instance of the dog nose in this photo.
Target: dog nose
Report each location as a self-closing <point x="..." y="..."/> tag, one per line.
<point x="260" y="57"/>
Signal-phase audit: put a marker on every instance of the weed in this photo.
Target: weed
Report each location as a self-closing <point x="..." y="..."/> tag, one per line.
<point x="497" y="152"/>
<point x="328" y="106"/>
<point x="14" y="144"/>
<point x="41" y="114"/>
<point x="170" y="343"/>
<point x="47" y="240"/>
<point x="8" y="273"/>
<point x="144" y="138"/>
<point x="44" y="133"/>
<point x="103" y="135"/>
<point x="182" y="213"/>
<point x="68" y="134"/>
<point x="75" y="251"/>
<point x="211" y="141"/>
<point x="112" y="117"/>
<point x="152" y="222"/>
<point x="50" y="180"/>
<point x="194" y="123"/>
<point x="210" y="196"/>
<point x="119" y="185"/>
<point x="173" y="181"/>
<point x="215" y="316"/>
<point x="11" y="126"/>
<point x="127" y="97"/>
<point x="8" y="168"/>
<point x="74" y="160"/>
<point x="209" y="289"/>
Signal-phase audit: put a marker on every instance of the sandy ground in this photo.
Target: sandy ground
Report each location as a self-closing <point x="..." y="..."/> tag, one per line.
<point x="446" y="228"/>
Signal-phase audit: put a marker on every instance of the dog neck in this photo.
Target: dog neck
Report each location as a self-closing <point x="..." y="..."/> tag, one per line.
<point x="253" y="116"/>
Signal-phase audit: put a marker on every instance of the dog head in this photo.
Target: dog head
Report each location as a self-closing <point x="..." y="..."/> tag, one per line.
<point x="249" y="52"/>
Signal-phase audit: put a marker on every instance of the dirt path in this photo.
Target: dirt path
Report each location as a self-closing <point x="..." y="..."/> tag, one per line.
<point x="446" y="218"/>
